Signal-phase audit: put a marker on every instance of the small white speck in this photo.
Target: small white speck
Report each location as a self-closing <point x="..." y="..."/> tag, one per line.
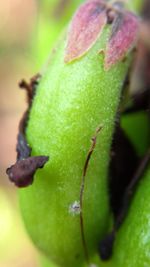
<point x="74" y="208"/>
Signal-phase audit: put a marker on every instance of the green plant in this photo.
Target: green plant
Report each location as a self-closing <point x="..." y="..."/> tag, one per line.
<point x="132" y="243"/>
<point x="70" y="124"/>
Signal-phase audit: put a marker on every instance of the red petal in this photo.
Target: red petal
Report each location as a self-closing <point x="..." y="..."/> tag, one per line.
<point x="85" y="28"/>
<point x="123" y="36"/>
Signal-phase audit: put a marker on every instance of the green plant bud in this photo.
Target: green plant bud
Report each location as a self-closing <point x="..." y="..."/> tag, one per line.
<point x="132" y="246"/>
<point x="71" y="121"/>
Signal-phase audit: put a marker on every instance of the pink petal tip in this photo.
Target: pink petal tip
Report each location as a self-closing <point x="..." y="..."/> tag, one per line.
<point x="123" y="37"/>
<point x="85" y="28"/>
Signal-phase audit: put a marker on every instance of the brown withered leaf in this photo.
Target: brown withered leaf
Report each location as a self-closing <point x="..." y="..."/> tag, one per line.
<point x="85" y="28"/>
<point x="23" y="149"/>
<point x="123" y="36"/>
<point x="22" y="172"/>
<point x="30" y="87"/>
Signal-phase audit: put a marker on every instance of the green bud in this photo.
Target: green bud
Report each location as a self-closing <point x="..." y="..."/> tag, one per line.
<point x="132" y="244"/>
<point x="71" y="121"/>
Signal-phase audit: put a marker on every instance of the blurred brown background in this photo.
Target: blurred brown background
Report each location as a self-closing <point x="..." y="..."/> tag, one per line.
<point x="16" y="25"/>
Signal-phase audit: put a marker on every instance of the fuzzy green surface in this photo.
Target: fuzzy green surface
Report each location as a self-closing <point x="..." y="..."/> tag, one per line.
<point x="71" y="102"/>
<point x="132" y="247"/>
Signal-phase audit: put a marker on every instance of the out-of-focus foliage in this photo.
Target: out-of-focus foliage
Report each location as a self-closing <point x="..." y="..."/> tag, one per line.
<point x="13" y="241"/>
<point x="136" y="126"/>
<point x="16" y="25"/>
